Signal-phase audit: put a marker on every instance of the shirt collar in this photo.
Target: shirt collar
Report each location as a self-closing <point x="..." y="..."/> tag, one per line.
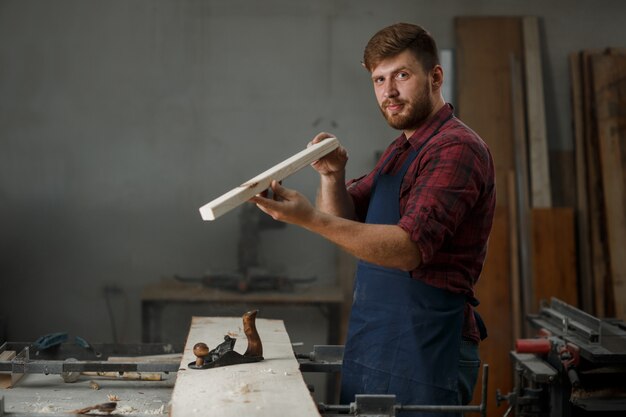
<point x="426" y="130"/>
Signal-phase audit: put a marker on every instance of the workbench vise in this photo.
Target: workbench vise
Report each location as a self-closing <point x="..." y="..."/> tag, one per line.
<point x="575" y="366"/>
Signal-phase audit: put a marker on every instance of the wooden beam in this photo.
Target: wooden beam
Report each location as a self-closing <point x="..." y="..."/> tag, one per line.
<point x="484" y="45"/>
<point x="271" y="387"/>
<point x="603" y="300"/>
<point x="609" y="86"/>
<point x="261" y="182"/>
<point x="517" y="317"/>
<point x="585" y="273"/>
<point x="523" y="199"/>
<point x="541" y="195"/>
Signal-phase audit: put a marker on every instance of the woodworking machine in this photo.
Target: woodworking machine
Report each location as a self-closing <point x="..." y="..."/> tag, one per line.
<point x="576" y="366"/>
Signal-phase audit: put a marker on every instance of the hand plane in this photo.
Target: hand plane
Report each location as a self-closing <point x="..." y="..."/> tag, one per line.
<point x="224" y="353"/>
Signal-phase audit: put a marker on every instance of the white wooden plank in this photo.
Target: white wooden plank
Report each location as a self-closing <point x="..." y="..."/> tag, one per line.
<point x="271" y="387"/>
<point x="261" y="182"/>
<point x="541" y="195"/>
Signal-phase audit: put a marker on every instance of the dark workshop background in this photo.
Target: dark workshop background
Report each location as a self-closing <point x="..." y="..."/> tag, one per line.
<point x="119" y="119"/>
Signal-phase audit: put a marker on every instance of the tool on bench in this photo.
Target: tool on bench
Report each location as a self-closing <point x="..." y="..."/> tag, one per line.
<point x="576" y="366"/>
<point x="50" y="355"/>
<point x="224" y="353"/>
<point x="54" y="340"/>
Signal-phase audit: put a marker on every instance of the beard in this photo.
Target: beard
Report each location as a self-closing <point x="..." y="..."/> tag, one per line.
<point x="415" y="111"/>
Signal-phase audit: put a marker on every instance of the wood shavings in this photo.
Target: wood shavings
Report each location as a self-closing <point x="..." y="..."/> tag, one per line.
<point x="127" y="409"/>
<point x="106" y="408"/>
<point x="47" y="409"/>
<point x="113" y="397"/>
<point x="160" y="410"/>
<point x="240" y="389"/>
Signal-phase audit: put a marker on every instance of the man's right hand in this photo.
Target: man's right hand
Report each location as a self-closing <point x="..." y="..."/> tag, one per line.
<point x="334" y="162"/>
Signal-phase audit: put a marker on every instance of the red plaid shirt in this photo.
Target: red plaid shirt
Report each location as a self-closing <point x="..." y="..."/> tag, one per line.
<point x="447" y="203"/>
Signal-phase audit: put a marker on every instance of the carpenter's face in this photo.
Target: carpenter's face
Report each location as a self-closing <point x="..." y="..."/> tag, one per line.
<point x="403" y="91"/>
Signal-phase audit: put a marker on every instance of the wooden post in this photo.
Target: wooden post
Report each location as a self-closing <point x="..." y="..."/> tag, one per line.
<point x="608" y="87"/>
<point x="540" y="187"/>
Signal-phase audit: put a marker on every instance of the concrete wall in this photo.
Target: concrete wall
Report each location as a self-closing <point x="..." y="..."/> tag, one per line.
<point x="118" y="119"/>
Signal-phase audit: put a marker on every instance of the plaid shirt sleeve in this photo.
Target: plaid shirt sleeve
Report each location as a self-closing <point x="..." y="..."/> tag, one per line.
<point x="448" y="185"/>
<point x="448" y="212"/>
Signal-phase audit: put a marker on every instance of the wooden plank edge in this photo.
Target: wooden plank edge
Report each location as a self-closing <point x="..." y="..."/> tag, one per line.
<point x="261" y="182"/>
<point x="605" y="79"/>
<point x="540" y="184"/>
<point x="523" y="203"/>
<point x="585" y="272"/>
<point x="516" y="295"/>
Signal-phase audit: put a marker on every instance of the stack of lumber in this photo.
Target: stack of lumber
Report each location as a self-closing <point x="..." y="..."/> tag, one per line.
<point x="599" y="120"/>
<point x="531" y="254"/>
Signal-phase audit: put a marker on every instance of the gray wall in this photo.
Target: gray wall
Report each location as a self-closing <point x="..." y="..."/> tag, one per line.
<point x="118" y="119"/>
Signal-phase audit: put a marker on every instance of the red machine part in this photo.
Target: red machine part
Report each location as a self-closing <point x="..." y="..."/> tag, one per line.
<point x="539" y="346"/>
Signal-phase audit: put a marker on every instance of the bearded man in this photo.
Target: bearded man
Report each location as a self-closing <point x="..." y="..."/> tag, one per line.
<point x="418" y="223"/>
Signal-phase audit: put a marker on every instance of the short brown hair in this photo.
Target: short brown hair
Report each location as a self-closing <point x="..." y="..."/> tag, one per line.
<point x="397" y="38"/>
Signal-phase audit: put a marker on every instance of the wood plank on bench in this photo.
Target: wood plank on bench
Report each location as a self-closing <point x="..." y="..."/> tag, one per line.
<point x="271" y="387"/>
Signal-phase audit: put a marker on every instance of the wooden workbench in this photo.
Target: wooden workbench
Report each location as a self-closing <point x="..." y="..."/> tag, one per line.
<point x="168" y="292"/>
<point x="271" y="387"/>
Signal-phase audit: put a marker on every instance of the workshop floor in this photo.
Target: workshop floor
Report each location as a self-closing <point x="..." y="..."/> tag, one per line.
<point x="48" y="394"/>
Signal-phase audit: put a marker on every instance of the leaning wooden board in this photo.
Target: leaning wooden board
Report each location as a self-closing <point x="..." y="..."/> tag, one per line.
<point x="484" y="48"/>
<point x="609" y="88"/>
<point x="271" y="387"/>
<point x="261" y="182"/>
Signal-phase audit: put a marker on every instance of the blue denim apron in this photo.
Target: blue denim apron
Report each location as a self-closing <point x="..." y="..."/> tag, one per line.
<point x="403" y="336"/>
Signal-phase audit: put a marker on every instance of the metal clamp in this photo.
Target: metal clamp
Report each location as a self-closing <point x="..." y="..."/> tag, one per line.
<point x="324" y="358"/>
<point x="385" y="405"/>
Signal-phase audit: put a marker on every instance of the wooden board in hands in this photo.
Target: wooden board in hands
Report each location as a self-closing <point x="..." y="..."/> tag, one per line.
<point x="261" y="182"/>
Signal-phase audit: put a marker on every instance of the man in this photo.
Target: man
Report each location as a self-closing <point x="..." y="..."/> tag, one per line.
<point x="418" y="223"/>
